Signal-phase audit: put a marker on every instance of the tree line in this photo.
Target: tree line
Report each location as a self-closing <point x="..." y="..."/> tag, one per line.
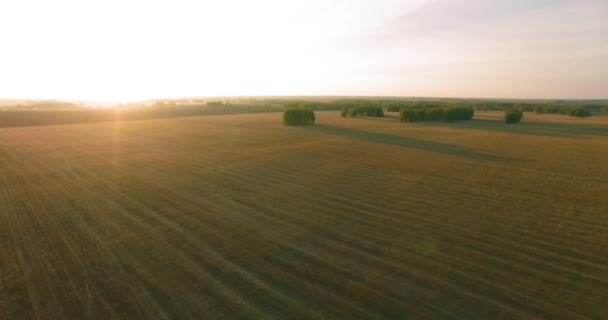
<point x="448" y="114"/>
<point x="580" y="112"/>
<point x="367" y="111"/>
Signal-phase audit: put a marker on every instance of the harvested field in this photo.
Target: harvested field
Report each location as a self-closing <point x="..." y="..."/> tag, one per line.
<point x="238" y="216"/>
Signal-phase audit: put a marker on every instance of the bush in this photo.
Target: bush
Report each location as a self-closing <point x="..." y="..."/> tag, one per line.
<point x="298" y="117"/>
<point x="513" y="116"/>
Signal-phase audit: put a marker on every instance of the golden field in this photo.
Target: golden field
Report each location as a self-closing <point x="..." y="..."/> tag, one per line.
<point x="237" y="216"/>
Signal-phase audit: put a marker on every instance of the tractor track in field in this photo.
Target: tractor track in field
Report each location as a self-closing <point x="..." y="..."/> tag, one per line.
<point x="222" y="217"/>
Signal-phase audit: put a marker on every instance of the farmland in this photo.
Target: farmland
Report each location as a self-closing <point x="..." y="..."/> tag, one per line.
<point x="238" y="216"/>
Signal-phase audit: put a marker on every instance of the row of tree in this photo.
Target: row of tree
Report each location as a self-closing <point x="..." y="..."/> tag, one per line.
<point x="580" y="112"/>
<point x="368" y="111"/>
<point x="298" y="117"/>
<point x="396" y="105"/>
<point x="304" y="115"/>
<point x="449" y="114"/>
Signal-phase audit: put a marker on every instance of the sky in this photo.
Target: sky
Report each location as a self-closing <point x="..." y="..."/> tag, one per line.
<point x="124" y="50"/>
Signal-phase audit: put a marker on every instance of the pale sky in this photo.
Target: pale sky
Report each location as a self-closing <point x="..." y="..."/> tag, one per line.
<point x="129" y="49"/>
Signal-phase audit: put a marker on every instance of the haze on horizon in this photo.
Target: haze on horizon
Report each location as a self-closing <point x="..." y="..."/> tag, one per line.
<point x="130" y="50"/>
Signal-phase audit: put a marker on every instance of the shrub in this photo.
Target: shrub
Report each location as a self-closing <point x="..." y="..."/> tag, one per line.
<point x="513" y="116"/>
<point x="298" y="117"/>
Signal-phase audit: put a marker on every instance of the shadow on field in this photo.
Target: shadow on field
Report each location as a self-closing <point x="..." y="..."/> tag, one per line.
<point x="560" y="130"/>
<point x="387" y="117"/>
<point x="547" y="129"/>
<point x="426" y="145"/>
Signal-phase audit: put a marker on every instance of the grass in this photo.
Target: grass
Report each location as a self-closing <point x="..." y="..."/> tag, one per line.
<point x="237" y="216"/>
